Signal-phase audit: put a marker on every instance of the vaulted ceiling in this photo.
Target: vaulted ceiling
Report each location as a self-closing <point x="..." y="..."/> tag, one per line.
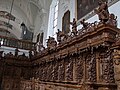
<point x="25" y="11"/>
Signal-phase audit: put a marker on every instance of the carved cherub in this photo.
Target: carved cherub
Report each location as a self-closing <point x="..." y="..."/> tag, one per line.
<point x="102" y="11"/>
<point x="112" y="20"/>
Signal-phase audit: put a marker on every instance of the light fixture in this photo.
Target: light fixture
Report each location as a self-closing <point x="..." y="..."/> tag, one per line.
<point x="10" y="13"/>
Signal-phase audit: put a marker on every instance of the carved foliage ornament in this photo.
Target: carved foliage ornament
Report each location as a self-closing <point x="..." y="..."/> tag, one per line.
<point x="91" y="67"/>
<point x="107" y="67"/>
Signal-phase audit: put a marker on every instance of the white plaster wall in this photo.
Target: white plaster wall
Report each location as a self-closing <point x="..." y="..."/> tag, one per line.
<point x="45" y="26"/>
<point x="41" y="24"/>
<point x="63" y="6"/>
<point x="41" y="21"/>
<point x="37" y="26"/>
<point x="51" y="17"/>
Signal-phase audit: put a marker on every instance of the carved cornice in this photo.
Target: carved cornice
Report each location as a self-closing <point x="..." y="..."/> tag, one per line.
<point x="102" y="35"/>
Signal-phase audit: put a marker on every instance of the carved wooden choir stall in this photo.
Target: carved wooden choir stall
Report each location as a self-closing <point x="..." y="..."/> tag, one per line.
<point x="86" y="60"/>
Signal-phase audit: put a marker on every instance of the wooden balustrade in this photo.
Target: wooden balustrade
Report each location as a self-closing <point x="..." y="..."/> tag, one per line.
<point x="16" y="43"/>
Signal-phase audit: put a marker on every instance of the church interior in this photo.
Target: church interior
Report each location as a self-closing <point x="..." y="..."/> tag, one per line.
<point x="59" y="45"/>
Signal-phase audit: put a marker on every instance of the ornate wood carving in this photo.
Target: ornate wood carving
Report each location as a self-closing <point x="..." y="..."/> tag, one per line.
<point x="102" y="11"/>
<point x="74" y="27"/>
<point x="49" y="72"/>
<point x="107" y="68"/>
<point x="73" y="61"/>
<point x="79" y="68"/>
<point x="51" y="43"/>
<point x="55" y="71"/>
<point x="61" y="70"/>
<point x="91" y="67"/>
<point x="69" y="69"/>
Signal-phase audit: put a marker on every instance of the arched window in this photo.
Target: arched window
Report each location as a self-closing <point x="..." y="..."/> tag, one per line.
<point x="53" y="18"/>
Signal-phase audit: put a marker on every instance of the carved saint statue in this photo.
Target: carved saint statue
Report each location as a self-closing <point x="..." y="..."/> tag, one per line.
<point x="16" y="52"/>
<point x="41" y="47"/>
<point x="51" y="42"/>
<point x="85" y="24"/>
<point x="102" y="11"/>
<point x="74" y="27"/>
<point x="59" y="35"/>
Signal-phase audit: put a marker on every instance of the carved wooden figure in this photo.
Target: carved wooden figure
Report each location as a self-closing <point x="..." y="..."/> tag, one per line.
<point x="79" y="68"/>
<point x="51" y="43"/>
<point x="102" y="11"/>
<point x="112" y="20"/>
<point x="16" y="52"/>
<point x="74" y="27"/>
<point x="69" y="70"/>
<point x="85" y="24"/>
<point x="61" y="71"/>
<point x="91" y="68"/>
<point x="59" y="35"/>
